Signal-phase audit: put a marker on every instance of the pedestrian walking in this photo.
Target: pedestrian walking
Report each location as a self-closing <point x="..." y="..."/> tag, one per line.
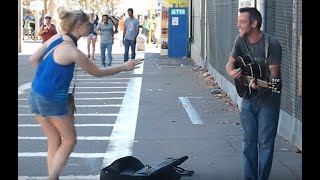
<point x="130" y="33"/>
<point x="92" y="37"/>
<point x="106" y="32"/>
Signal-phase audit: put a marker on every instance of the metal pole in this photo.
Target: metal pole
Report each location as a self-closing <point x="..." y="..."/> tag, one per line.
<point x="20" y="28"/>
<point x="36" y="30"/>
<point x="263" y="11"/>
<point x="151" y="28"/>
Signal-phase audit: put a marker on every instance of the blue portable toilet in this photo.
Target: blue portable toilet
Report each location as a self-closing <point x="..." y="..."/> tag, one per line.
<point x="178" y="32"/>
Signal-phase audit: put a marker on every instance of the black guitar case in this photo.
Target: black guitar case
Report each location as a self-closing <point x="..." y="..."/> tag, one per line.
<point x="130" y="168"/>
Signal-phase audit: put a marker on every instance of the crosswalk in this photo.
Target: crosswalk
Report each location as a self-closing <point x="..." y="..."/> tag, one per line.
<point x="107" y="111"/>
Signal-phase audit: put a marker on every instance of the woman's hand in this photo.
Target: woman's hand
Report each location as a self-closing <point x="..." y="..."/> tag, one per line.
<point x="132" y="64"/>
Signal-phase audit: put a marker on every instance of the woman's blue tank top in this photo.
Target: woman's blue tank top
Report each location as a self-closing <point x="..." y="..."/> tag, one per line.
<point x="53" y="80"/>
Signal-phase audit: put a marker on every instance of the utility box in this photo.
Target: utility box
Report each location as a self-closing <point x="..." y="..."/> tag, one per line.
<point x="178" y="32"/>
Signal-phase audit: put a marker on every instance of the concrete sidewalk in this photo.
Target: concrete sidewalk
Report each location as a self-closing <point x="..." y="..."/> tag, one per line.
<point x="214" y="146"/>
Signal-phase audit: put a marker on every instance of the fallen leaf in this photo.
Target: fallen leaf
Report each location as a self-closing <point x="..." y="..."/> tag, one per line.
<point x="224" y="122"/>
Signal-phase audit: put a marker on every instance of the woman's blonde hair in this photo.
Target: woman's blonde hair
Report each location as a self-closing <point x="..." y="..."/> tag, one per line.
<point x="68" y="19"/>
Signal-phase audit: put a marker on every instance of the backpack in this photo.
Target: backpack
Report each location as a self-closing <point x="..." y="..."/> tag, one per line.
<point x="131" y="168"/>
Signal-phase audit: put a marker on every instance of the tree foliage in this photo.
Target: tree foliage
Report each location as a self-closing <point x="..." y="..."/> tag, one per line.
<point x="94" y="6"/>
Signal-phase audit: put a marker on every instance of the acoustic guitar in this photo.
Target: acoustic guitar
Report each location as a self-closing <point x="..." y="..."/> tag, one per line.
<point x="251" y="70"/>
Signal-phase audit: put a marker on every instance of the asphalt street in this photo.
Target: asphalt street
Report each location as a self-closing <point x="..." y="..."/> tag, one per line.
<point x="162" y="109"/>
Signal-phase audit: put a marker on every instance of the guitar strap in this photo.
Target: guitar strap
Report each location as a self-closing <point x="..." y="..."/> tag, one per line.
<point x="266" y="45"/>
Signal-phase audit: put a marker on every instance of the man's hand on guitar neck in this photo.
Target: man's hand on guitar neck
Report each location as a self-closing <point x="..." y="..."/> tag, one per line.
<point x="253" y="84"/>
<point x="235" y="73"/>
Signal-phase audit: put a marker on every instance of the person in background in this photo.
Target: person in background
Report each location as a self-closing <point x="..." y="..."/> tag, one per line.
<point x="146" y="26"/>
<point x="55" y="63"/>
<point x="130" y="33"/>
<point x="47" y="30"/>
<point x="120" y="27"/>
<point x="259" y="113"/>
<point x="157" y="29"/>
<point x="92" y="38"/>
<point x="106" y="32"/>
<point x="26" y="28"/>
<point x="31" y="19"/>
<point x="121" y="21"/>
<point x="96" y="17"/>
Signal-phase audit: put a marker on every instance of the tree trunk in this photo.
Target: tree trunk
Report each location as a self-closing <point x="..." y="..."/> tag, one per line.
<point x="88" y="7"/>
<point x="67" y="4"/>
<point x="45" y="10"/>
<point x="52" y="9"/>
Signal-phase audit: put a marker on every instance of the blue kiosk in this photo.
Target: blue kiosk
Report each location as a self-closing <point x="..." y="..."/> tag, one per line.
<point x="178" y="32"/>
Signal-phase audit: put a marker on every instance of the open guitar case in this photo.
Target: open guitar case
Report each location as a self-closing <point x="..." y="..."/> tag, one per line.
<point x="131" y="168"/>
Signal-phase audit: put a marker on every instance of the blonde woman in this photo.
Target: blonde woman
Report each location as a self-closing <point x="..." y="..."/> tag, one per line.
<point x="55" y="62"/>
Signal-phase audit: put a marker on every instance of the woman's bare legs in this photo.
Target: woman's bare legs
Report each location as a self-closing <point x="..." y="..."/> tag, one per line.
<point x="93" y="47"/>
<point x="53" y="136"/>
<point x="63" y="128"/>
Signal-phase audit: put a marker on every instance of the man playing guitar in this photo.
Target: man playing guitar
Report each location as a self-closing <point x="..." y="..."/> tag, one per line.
<point x="259" y="111"/>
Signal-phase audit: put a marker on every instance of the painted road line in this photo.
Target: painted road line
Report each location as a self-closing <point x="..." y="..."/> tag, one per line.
<point x="108" y="98"/>
<point x="100" y="92"/>
<point x="69" y="177"/>
<point x="24" y="87"/>
<point x="135" y="71"/>
<point x="83" y="138"/>
<point x="100" y="79"/>
<point x="97" y="79"/>
<point x="193" y="115"/>
<point x="140" y="69"/>
<point x="75" y="155"/>
<point x="104" y="78"/>
<point x="101" y="82"/>
<point x="106" y="114"/>
<point x="81" y="106"/>
<point x="76" y="125"/>
<point x="108" y="87"/>
<point x="119" y="98"/>
<point x="122" y="136"/>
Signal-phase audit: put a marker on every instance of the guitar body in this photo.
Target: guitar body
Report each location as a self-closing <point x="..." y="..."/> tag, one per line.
<point x="251" y="70"/>
<point x="248" y="69"/>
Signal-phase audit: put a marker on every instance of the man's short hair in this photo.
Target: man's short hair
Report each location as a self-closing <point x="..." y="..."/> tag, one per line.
<point x="130" y="9"/>
<point x="254" y="14"/>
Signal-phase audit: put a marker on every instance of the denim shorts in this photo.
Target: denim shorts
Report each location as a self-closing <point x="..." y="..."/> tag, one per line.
<point x="47" y="107"/>
<point x="93" y="36"/>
